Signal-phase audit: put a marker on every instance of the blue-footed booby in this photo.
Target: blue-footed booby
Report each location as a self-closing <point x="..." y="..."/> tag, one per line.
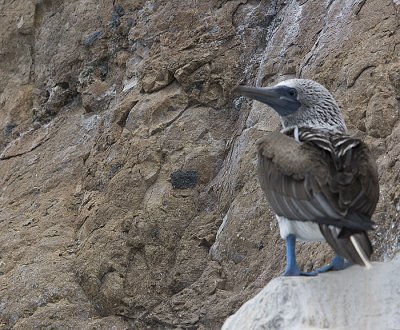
<point x="321" y="183"/>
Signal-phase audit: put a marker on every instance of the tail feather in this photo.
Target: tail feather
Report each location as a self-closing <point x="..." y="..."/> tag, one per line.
<point x="360" y="252"/>
<point x="353" y="246"/>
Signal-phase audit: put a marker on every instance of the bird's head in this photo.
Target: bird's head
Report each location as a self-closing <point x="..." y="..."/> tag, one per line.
<point x="299" y="102"/>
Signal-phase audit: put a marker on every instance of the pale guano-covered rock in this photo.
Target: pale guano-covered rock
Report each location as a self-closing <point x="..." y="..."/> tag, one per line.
<point x="355" y="298"/>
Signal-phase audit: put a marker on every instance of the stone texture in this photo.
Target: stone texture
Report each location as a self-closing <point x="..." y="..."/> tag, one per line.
<point x="102" y="101"/>
<point x="355" y="298"/>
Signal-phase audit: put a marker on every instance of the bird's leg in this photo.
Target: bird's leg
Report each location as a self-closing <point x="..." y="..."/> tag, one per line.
<point x="292" y="269"/>
<point x="337" y="263"/>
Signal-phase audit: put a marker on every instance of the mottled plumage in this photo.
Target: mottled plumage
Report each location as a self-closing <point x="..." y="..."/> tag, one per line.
<point x="320" y="182"/>
<point x="332" y="182"/>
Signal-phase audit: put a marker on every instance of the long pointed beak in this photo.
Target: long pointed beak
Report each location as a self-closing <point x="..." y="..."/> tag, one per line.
<point x="277" y="97"/>
<point x="264" y="95"/>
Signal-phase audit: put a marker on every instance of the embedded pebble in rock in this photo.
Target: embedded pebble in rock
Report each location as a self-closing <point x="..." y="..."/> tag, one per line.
<point x="184" y="179"/>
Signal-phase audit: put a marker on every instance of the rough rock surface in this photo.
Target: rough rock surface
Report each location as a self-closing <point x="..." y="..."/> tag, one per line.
<point x="123" y="151"/>
<point x="355" y="298"/>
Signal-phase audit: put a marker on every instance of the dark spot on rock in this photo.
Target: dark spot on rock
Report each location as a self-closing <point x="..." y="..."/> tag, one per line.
<point x="115" y="20"/>
<point x="131" y="22"/>
<point x="116" y="16"/>
<point x="119" y="10"/>
<point x="238" y="258"/>
<point x="163" y="154"/>
<point x="176" y="286"/>
<point x="103" y="70"/>
<point x="9" y="128"/>
<point x="91" y="39"/>
<point x="115" y="168"/>
<point x="53" y="99"/>
<point x="198" y="85"/>
<point x="35" y="190"/>
<point x="260" y="246"/>
<point x="184" y="179"/>
<point x="215" y="30"/>
<point x="205" y="243"/>
<point x="135" y="244"/>
<point x="262" y="21"/>
<point x="155" y="233"/>
<point x="195" y="87"/>
<point x="63" y="84"/>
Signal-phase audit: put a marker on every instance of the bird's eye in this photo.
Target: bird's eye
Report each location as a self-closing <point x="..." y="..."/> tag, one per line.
<point x="293" y="92"/>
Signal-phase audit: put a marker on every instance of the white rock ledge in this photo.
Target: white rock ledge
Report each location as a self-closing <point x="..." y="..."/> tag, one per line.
<point x="355" y="298"/>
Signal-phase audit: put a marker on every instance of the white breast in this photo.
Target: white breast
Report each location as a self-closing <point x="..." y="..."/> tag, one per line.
<point x="304" y="230"/>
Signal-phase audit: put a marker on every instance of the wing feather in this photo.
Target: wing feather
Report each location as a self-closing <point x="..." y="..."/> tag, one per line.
<point x="327" y="179"/>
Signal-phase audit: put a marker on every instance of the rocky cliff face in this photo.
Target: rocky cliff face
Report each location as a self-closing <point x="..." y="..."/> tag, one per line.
<point x="128" y="189"/>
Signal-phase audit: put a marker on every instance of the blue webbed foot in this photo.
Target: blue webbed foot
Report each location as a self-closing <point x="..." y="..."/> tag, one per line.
<point x="292" y="269"/>
<point x="295" y="271"/>
<point x="338" y="263"/>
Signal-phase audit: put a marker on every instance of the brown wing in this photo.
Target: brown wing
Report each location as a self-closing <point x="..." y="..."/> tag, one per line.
<point x="328" y="181"/>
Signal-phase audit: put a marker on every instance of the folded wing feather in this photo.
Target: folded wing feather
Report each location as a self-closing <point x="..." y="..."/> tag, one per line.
<point x="329" y="179"/>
